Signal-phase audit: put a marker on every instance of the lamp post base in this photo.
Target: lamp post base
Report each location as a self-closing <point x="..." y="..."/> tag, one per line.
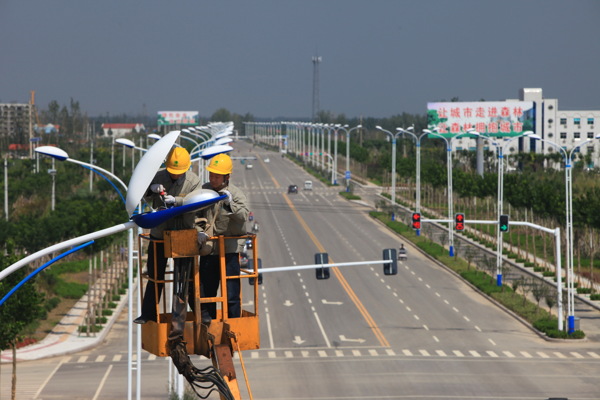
<point x="570" y="324"/>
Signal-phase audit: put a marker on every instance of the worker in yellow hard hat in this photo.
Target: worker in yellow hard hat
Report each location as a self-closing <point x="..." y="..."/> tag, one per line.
<point x="167" y="189"/>
<point x="230" y="217"/>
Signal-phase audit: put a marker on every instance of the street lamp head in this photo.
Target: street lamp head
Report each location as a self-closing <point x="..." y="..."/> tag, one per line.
<point x="431" y="131"/>
<point x="379" y="127"/>
<point x="212" y="151"/>
<point x="223" y="140"/>
<point x="223" y="134"/>
<point x="53" y="152"/>
<point x="154" y="136"/>
<point x="359" y="126"/>
<point x="534" y="136"/>
<point x="125" y="142"/>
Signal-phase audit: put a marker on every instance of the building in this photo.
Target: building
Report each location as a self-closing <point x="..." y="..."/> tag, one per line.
<point x="565" y="128"/>
<point x="119" y="130"/>
<point x="15" y="125"/>
<point x="512" y="117"/>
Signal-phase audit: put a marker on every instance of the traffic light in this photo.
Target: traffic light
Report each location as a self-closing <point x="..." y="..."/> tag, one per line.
<point x="459" y="222"/>
<point x="504" y="223"/>
<point x="416" y="220"/>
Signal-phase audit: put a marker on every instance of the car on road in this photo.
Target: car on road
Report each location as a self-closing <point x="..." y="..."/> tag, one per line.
<point x="293" y="189"/>
<point x="249" y="166"/>
<point x="308" y="185"/>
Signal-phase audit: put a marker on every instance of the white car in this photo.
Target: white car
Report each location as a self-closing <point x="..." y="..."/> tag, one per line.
<point x="267" y="160"/>
<point x="248" y="166"/>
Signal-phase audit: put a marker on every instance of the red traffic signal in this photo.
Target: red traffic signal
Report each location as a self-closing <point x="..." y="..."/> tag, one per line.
<point x="459" y="222"/>
<point x="416" y="220"/>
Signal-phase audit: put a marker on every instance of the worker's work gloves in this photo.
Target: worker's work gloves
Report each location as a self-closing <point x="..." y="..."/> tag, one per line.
<point x="168" y="199"/>
<point x="157" y="188"/>
<point x="202" y="238"/>
<point x="227" y="201"/>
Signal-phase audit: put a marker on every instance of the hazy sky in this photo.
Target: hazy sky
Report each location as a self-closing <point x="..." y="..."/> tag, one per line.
<point x="379" y="57"/>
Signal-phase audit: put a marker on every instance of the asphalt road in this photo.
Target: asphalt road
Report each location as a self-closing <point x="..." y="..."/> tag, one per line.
<point x="361" y="334"/>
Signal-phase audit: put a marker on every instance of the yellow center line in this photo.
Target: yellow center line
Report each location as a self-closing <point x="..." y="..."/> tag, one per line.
<point x="382" y="340"/>
<point x="378" y="334"/>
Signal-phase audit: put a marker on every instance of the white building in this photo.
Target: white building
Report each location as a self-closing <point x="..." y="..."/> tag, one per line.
<point x="564" y="128"/>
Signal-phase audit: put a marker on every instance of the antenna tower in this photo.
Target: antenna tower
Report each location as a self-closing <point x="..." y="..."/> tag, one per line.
<point x="315" y="101"/>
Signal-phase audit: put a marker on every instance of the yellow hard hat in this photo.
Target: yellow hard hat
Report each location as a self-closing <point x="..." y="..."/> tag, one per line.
<point x="178" y="161"/>
<point x="220" y="164"/>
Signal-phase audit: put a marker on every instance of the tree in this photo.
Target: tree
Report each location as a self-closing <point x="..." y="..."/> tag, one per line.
<point x="19" y="311"/>
<point x="539" y="291"/>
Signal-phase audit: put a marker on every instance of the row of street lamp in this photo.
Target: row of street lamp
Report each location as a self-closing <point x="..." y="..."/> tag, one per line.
<point x="300" y="139"/>
<point x="306" y="139"/>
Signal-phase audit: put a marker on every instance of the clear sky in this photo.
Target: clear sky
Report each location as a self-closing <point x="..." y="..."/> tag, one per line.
<point x="379" y="57"/>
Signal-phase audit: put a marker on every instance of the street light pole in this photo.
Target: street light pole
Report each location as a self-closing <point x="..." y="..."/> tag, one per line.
<point x="336" y="127"/>
<point x="500" y="201"/>
<point x="568" y="159"/>
<point x="418" y="172"/>
<point x="393" y="137"/>
<point x="450" y="189"/>
<point x="347" y="176"/>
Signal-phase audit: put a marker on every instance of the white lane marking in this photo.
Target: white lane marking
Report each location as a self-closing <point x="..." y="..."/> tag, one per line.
<point x="102" y="382"/>
<point x="322" y="330"/>
<point x="272" y="344"/>
<point x="49" y="377"/>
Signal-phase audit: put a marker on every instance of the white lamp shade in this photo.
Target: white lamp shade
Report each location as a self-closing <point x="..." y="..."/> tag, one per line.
<point x="146" y="169"/>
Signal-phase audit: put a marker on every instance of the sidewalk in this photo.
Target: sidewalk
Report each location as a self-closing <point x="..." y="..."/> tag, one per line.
<point x="65" y="337"/>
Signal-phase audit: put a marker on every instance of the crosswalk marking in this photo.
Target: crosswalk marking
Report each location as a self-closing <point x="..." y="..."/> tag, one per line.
<point x="366" y="352"/>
